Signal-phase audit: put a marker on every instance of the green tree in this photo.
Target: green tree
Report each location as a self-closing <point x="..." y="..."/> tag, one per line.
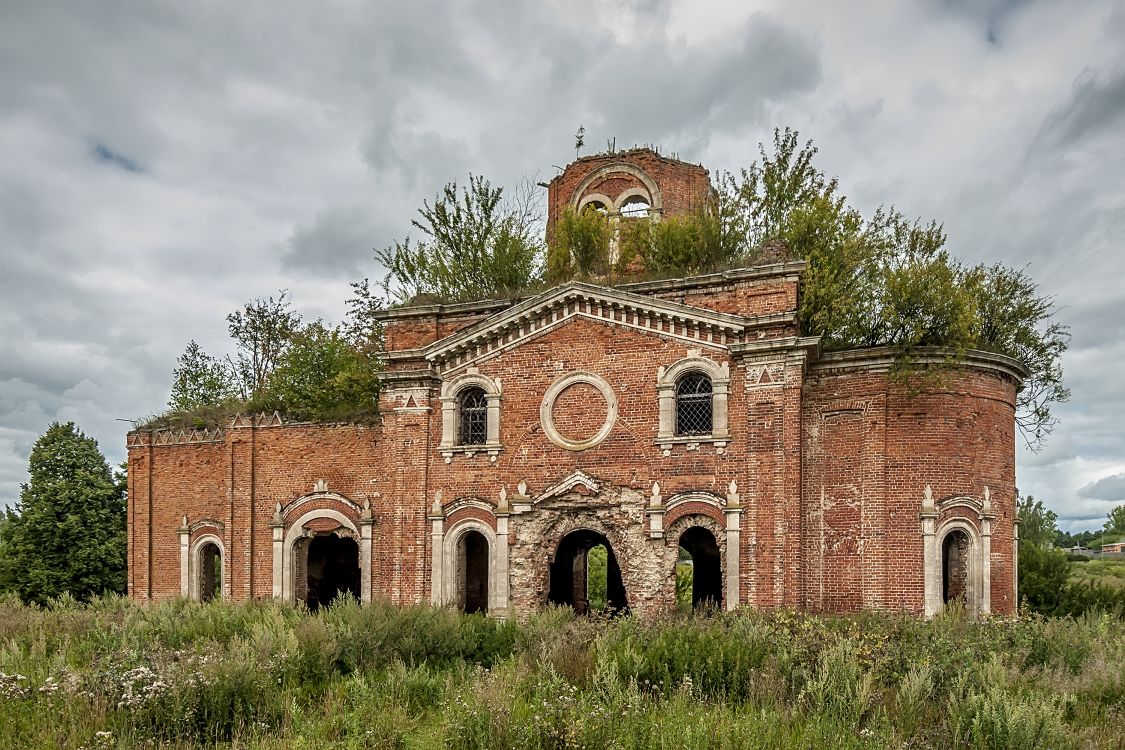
<point x="474" y="245"/>
<point x="889" y="281"/>
<point x="1014" y="318"/>
<point x="1037" y="522"/>
<point x="1044" y="576"/>
<point x="1115" y="521"/>
<point x="261" y="330"/>
<point x="580" y="246"/>
<point x="200" y="380"/>
<point x="67" y="532"/>
<point x="322" y="375"/>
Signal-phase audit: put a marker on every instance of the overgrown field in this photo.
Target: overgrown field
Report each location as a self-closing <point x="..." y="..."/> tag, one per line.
<point x="1104" y="572"/>
<point x="117" y="674"/>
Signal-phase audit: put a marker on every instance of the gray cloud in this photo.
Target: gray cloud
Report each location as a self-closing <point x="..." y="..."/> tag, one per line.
<point x="1096" y="106"/>
<point x="1107" y="488"/>
<point x="340" y="240"/>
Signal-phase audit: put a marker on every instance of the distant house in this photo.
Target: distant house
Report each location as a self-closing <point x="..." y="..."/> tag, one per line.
<point x="1116" y="547"/>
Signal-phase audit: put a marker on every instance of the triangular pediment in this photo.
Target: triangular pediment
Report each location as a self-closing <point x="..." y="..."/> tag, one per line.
<point x="534" y="317"/>
<point x="577" y="481"/>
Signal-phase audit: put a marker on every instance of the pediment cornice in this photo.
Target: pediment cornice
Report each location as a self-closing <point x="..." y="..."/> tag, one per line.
<point x="535" y="316"/>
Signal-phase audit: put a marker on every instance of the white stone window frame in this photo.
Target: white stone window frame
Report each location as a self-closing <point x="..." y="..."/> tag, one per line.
<point x="666" y="380"/>
<point x="450" y="393"/>
<point x="285" y="563"/>
<point x="191" y="571"/>
<point x="547" y="407"/>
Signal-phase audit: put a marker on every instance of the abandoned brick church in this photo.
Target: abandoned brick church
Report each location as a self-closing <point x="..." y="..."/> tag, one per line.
<point x="515" y="437"/>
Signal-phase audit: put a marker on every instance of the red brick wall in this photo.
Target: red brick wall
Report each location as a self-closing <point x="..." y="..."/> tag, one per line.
<point x="870" y="448"/>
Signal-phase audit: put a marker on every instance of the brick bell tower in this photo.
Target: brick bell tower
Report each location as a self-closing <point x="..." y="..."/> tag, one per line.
<point x="628" y="184"/>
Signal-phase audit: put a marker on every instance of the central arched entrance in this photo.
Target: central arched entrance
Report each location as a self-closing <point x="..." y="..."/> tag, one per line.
<point x="699" y="557"/>
<point x="332" y="569"/>
<point x="577" y="577"/>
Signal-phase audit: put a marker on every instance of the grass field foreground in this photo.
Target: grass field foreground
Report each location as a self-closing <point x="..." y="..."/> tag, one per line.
<point x="116" y="674"/>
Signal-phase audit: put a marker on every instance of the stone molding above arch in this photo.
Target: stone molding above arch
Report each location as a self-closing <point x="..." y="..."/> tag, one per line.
<point x="666" y="379"/>
<point x="493" y="393"/>
<point x="605" y="200"/>
<point x="207" y="523"/>
<point x="569" y="483"/>
<point x="287" y="511"/>
<point x="656" y="197"/>
<point x="673" y="507"/>
<point x="546" y="410"/>
<point x="631" y="193"/>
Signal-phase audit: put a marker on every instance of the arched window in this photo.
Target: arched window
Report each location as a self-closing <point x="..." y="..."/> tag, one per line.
<point x="692" y="396"/>
<point x="693" y="404"/>
<point x="635" y="207"/>
<point x="472" y="417"/>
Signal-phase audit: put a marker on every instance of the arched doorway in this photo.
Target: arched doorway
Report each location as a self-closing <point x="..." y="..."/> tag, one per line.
<point x="472" y="572"/>
<point x="577" y="578"/>
<point x="955" y="549"/>
<point x="209" y="560"/>
<point x="701" y="550"/>
<point x="331" y="569"/>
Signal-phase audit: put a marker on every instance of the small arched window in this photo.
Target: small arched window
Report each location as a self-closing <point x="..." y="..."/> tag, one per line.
<point x="636" y="207"/>
<point x="472" y="417"/>
<point x="693" y="404"/>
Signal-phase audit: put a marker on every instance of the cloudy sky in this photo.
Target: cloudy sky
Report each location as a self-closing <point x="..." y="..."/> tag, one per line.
<point x="161" y="163"/>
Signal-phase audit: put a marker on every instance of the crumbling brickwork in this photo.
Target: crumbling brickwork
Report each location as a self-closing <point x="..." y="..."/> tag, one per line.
<point x="668" y="186"/>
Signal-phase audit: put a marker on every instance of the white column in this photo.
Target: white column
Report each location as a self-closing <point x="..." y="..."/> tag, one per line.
<point x="448" y="421"/>
<point x="185" y="560"/>
<point x="719" y="425"/>
<point x="277" y="523"/>
<point x="734" y="552"/>
<point x="733" y="512"/>
<point x="492" y="425"/>
<point x="502" y="602"/>
<point x="1016" y="565"/>
<point x="931" y="558"/>
<point x="437" y="543"/>
<point x="986" y="517"/>
<point x="365" y="526"/>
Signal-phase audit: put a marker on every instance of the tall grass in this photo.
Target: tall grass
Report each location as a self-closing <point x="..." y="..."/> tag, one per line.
<point x="265" y="675"/>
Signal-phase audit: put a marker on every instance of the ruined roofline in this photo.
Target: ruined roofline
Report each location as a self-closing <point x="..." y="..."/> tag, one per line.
<point x="882" y="358"/>
<point x="160" y="436"/>
<point x="625" y="154"/>
<point x="786" y="269"/>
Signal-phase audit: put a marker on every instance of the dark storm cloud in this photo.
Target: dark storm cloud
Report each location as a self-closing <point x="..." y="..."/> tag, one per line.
<point x="989" y="14"/>
<point x="338" y="241"/>
<point x="1107" y="488"/>
<point x="1096" y="107"/>
<point x="106" y="155"/>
